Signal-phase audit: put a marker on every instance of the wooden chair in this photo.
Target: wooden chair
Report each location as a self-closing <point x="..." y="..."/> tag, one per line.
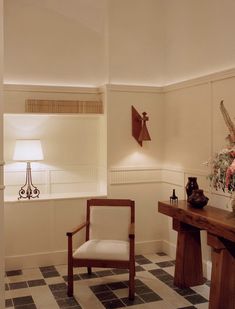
<point x="109" y="239"/>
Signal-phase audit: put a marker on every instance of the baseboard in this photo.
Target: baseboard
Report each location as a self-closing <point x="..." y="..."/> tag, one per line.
<point x="60" y="257"/>
<point x="148" y="247"/>
<point x="170" y="249"/>
<point x="35" y="260"/>
<point x="207" y="267"/>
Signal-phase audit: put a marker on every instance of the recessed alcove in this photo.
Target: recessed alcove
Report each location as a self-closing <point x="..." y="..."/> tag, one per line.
<point x="74" y="147"/>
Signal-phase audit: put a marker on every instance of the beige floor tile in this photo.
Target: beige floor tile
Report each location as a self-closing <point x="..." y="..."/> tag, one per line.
<point x="8" y="294"/>
<point x="150" y="266"/>
<point x="161" y="304"/>
<point x="86" y="298"/>
<point x="163" y="258"/>
<point x="203" y="290"/>
<point x="94" y="269"/>
<point x="170" y="270"/>
<point x="19" y="293"/>
<point x="80" y="270"/>
<point x="32" y="274"/>
<point x="54" y="280"/>
<point x="203" y="306"/>
<point x="165" y="292"/>
<point x="63" y="269"/>
<point x="43" y="297"/>
<point x="92" y="304"/>
<point x="15" y="279"/>
<point x="153" y="257"/>
<point x="121" y="292"/>
<point x="48" y="306"/>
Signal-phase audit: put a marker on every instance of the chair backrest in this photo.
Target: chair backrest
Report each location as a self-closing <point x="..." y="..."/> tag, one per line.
<point x="109" y="218"/>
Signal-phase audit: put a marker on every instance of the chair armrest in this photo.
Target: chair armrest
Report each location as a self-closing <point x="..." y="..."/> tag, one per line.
<point x="77" y="229"/>
<point x="132" y="231"/>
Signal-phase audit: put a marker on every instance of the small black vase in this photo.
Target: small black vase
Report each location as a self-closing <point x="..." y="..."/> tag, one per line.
<point x="197" y="199"/>
<point x="191" y="185"/>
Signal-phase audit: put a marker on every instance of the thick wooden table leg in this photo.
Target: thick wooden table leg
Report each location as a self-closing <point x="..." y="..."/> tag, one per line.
<point x="222" y="291"/>
<point x="188" y="268"/>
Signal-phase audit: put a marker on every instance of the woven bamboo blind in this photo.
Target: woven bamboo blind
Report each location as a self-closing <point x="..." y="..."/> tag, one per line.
<point x="63" y="106"/>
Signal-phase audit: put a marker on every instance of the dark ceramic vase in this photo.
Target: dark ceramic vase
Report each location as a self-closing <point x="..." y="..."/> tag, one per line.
<point x="197" y="199"/>
<point x="191" y="185"/>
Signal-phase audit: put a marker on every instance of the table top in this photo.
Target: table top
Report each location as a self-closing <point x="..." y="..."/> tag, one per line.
<point x="217" y="221"/>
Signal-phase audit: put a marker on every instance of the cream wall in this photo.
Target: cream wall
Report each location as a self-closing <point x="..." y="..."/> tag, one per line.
<point x="66" y="168"/>
<point x="135" y="40"/>
<point x="2" y="240"/>
<point x="74" y="168"/>
<point x="84" y="43"/>
<point x="143" y="42"/>
<point x="194" y="130"/>
<point x="134" y="171"/>
<point x="73" y="144"/>
<point x="40" y="228"/>
<point x="199" y="38"/>
<point x="55" y="43"/>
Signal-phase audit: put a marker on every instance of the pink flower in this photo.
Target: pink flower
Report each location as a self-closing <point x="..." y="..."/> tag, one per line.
<point x="230" y="172"/>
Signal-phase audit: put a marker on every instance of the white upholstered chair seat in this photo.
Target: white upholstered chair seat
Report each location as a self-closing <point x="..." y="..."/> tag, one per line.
<point x="117" y="250"/>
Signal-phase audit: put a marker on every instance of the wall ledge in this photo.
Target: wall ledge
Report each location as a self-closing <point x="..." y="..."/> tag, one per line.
<point x="50" y="88"/>
<point x="49" y="197"/>
<point x="133" y="88"/>
<point x="203" y="79"/>
<point x="190" y="82"/>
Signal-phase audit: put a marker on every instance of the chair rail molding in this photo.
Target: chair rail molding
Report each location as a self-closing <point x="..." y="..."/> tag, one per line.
<point x="2" y="163"/>
<point x="129" y="175"/>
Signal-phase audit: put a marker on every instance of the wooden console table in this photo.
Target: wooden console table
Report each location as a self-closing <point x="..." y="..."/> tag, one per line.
<point x="220" y="227"/>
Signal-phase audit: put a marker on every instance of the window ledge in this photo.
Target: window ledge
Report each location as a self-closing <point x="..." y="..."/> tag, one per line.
<point x="56" y="196"/>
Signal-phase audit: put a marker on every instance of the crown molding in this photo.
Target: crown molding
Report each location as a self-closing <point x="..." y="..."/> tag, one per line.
<point x="209" y="78"/>
<point x="48" y="88"/>
<point x="204" y="79"/>
<point x="133" y="88"/>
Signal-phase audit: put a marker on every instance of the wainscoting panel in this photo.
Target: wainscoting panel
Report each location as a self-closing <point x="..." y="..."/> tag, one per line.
<point x="134" y="175"/>
<point x="174" y="177"/>
<point x="49" y="180"/>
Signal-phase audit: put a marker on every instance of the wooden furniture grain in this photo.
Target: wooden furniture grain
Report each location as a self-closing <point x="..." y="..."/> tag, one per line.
<point x="220" y="227"/>
<point x="94" y="252"/>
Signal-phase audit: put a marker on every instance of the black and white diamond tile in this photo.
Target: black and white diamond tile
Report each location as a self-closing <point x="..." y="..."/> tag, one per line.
<point x="46" y="287"/>
<point x="110" y="298"/>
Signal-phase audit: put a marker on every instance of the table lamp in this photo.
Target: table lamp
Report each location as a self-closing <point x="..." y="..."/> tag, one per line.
<point x="28" y="151"/>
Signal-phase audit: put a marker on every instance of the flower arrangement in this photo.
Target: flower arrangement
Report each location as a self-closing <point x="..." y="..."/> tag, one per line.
<point x="223" y="170"/>
<point x="223" y="164"/>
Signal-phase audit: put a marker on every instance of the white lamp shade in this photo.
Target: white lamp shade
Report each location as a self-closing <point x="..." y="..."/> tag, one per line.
<point x="28" y="150"/>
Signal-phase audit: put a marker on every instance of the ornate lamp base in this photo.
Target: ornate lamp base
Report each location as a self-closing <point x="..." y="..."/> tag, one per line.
<point x="28" y="190"/>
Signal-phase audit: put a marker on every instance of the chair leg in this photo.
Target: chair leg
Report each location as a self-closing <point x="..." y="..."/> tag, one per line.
<point x="132" y="282"/>
<point x="89" y="270"/>
<point x="70" y="280"/>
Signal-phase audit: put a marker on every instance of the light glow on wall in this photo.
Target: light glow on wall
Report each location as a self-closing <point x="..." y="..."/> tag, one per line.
<point x="138" y="159"/>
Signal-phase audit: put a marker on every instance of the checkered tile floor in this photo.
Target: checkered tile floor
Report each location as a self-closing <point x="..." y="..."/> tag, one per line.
<point x="45" y="287"/>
